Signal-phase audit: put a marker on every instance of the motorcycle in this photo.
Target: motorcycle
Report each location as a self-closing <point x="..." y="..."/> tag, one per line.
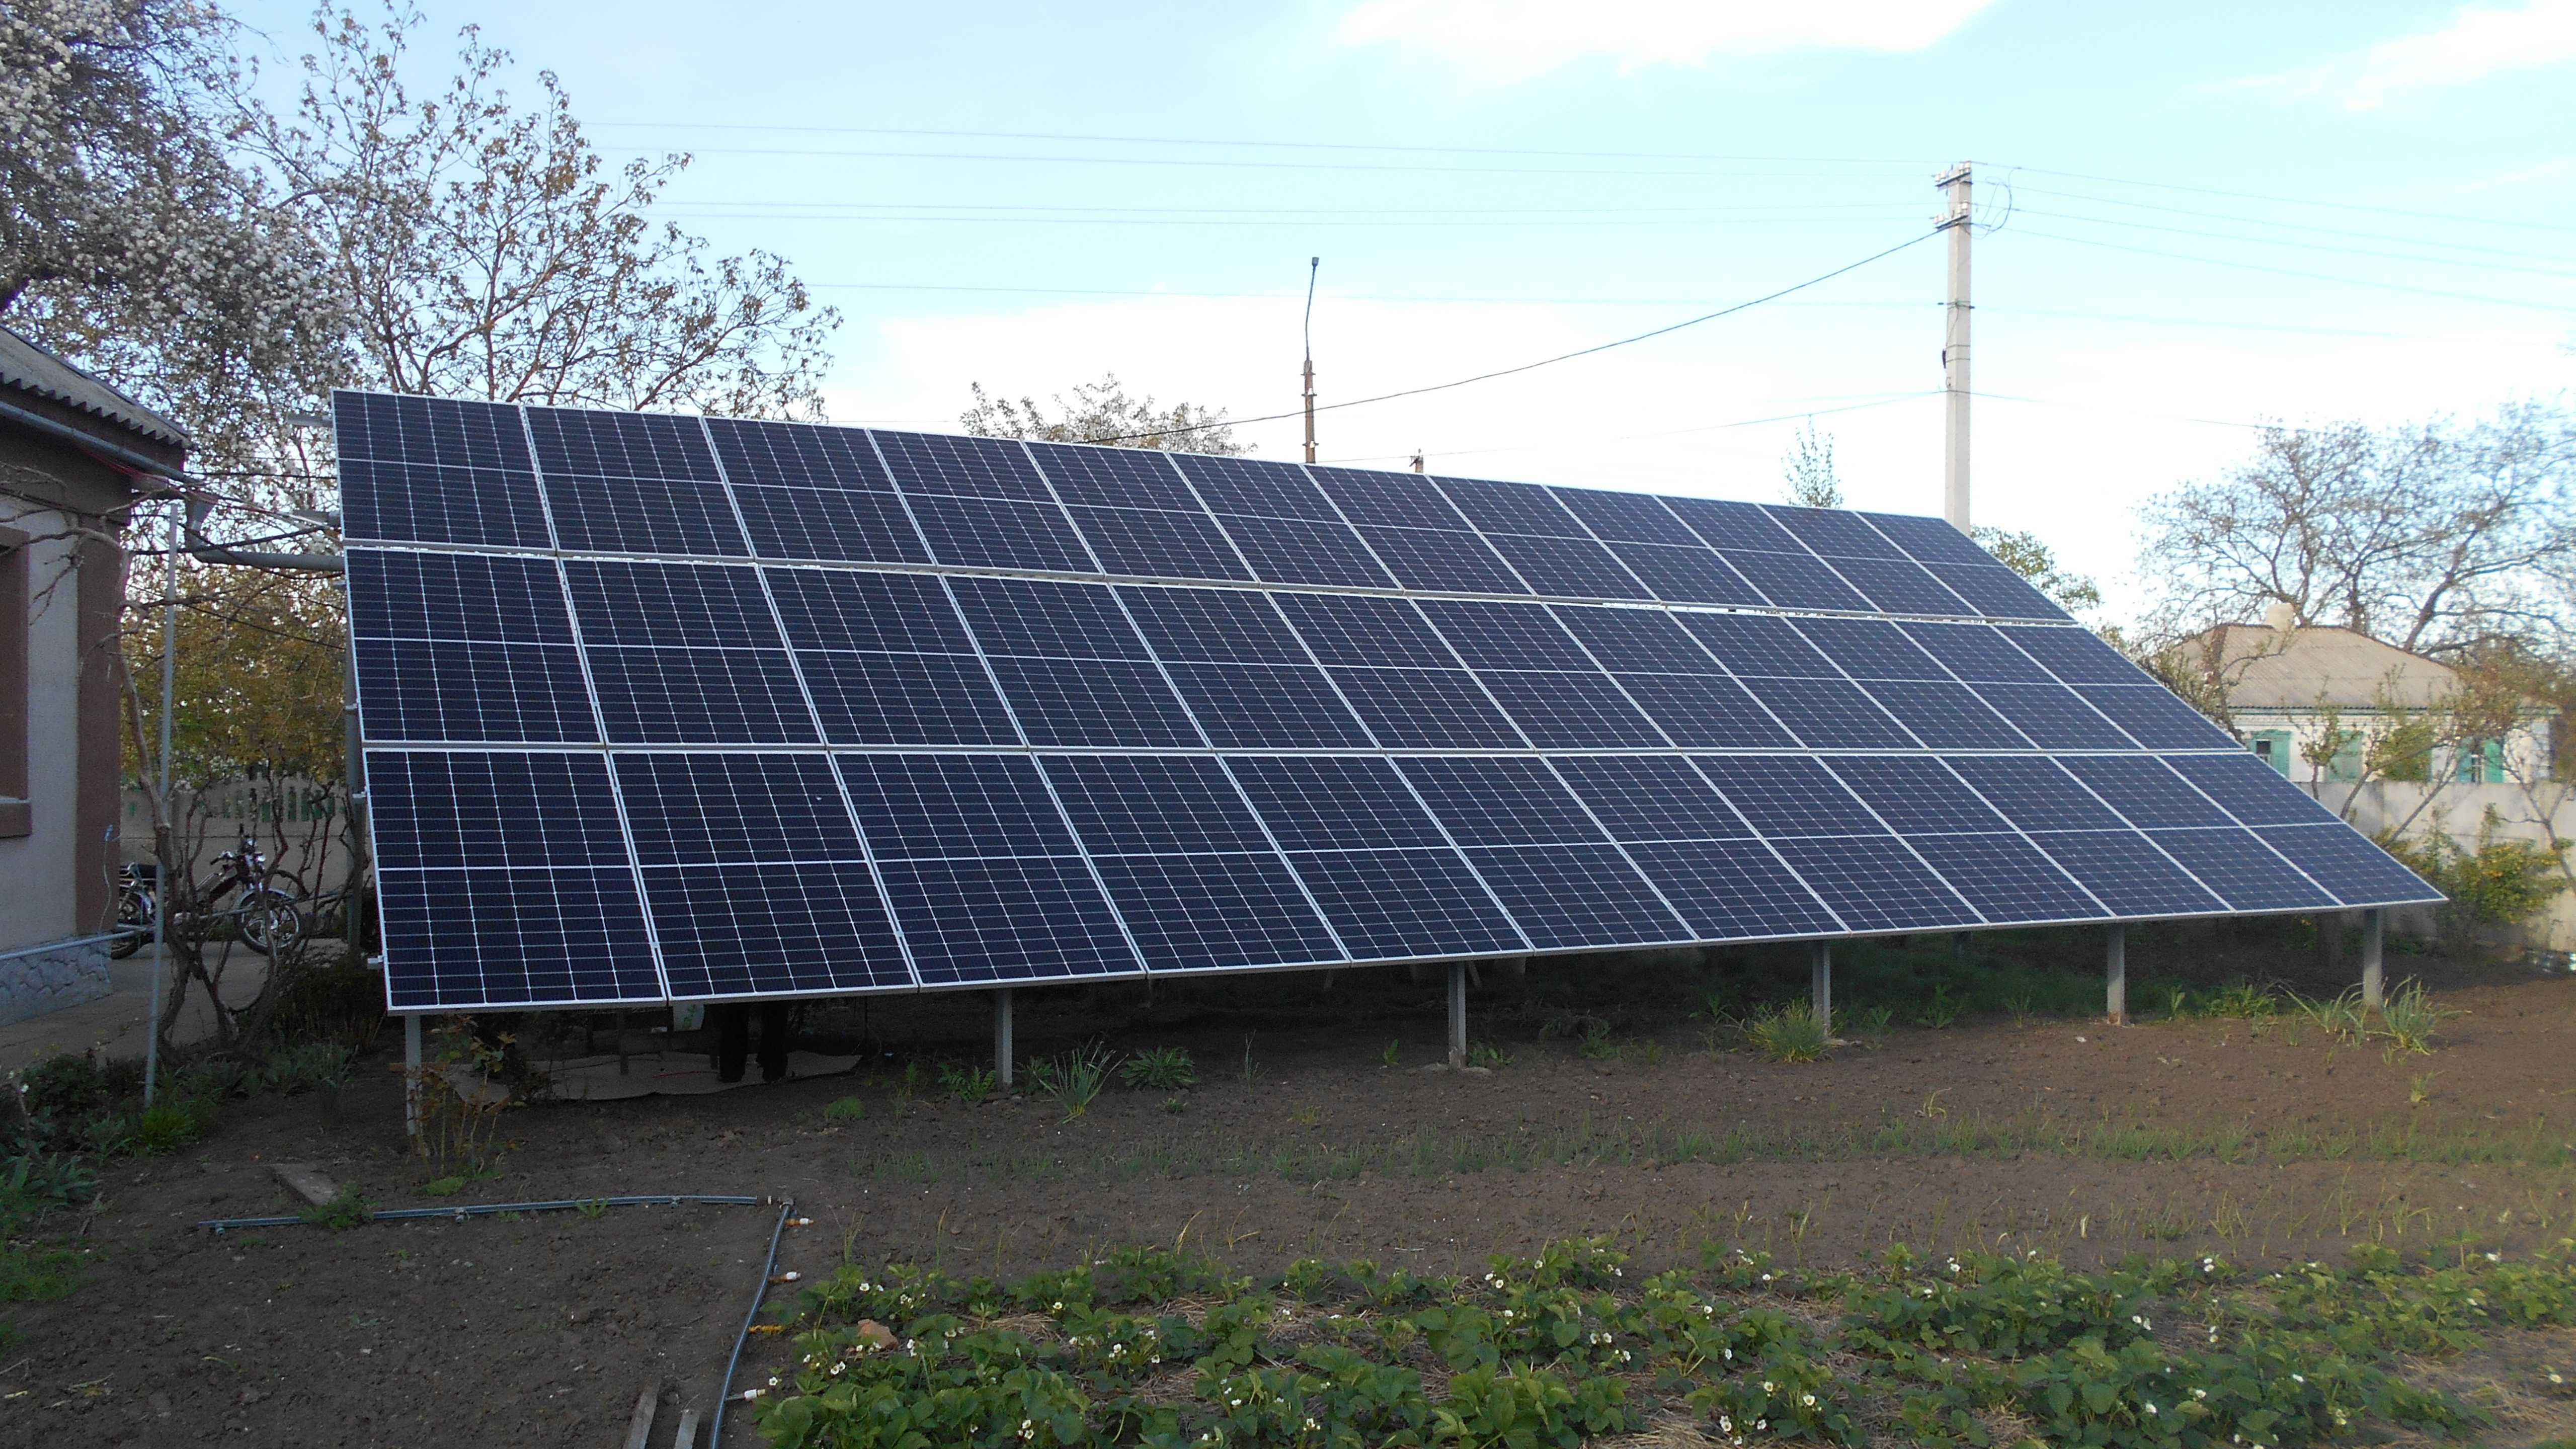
<point x="265" y="918"/>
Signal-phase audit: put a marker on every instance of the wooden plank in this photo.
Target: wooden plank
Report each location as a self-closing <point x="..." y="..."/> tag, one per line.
<point x="639" y="1432"/>
<point x="306" y="1182"/>
<point x="687" y="1438"/>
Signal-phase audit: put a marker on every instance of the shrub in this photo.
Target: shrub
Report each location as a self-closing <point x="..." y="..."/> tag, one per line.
<point x="1074" y="1079"/>
<point x="2495" y="882"/>
<point x="969" y="1085"/>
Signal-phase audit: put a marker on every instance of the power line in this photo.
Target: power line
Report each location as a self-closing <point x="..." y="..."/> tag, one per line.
<point x="1879" y="400"/>
<point x="2492" y="266"/>
<point x="1542" y="362"/>
<point x="2240" y="218"/>
<point x="2295" y="272"/>
<point x="1380" y="147"/>
<point x="2289" y="200"/>
<point x="1229" y="164"/>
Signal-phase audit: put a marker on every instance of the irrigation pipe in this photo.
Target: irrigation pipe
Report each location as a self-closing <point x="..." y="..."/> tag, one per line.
<point x="395" y="1215"/>
<point x="715" y="1430"/>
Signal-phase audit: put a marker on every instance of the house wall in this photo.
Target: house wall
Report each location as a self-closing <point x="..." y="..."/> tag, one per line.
<point x="2526" y="751"/>
<point x="56" y="880"/>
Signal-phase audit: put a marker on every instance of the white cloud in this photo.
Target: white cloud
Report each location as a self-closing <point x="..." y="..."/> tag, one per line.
<point x="2478" y="42"/>
<point x="1518" y="38"/>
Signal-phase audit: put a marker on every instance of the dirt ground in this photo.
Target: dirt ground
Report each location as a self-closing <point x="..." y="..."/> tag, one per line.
<point x="1298" y="1140"/>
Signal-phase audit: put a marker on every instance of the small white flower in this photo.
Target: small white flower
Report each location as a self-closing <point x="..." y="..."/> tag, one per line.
<point x="1807" y="1399"/>
<point x="1766" y="1385"/>
<point x="2151" y="1409"/>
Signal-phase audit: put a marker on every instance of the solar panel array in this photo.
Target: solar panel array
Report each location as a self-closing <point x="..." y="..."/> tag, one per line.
<point x="659" y="708"/>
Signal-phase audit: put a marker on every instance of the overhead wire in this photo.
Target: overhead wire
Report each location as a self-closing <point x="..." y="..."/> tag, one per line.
<point x="2521" y="302"/>
<point x="2479" y="263"/>
<point x="1542" y="362"/>
<point x="2415" y="212"/>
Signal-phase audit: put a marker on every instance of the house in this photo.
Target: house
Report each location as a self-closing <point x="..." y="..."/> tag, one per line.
<point x="2286" y="687"/>
<point x="75" y="454"/>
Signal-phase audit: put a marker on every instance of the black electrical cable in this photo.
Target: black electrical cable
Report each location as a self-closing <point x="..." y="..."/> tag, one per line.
<point x="715" y="1429"/>
<point x="1526" y="366"/>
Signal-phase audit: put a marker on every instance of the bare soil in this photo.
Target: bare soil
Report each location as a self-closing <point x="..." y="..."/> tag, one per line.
<point x="2067" y="1136"/>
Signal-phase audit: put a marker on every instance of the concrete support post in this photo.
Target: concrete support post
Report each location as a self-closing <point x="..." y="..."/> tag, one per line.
<point x="1457" y="1013"/>
<point x="1820" y="983"/>
<point x="2115" y="1003"/>
<point x="411" y="1076"/>
<point x="1002" y="1038"/>
<point x="2374" y="936"/>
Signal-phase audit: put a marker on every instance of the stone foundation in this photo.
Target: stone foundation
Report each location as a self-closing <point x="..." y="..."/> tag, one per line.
<point x="33" y="985"/>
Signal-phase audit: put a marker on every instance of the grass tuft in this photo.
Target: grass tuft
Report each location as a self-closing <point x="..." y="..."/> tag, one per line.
<point x="1789" y="1034"/>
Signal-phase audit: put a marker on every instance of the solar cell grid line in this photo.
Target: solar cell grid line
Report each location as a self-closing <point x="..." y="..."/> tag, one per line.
<point x="1896" y="887"/>
<point x="443" y="432"/>
<point x="2155" y="718"/>
<point x="1544" y="677"/>
<point x="1366" y="498"/>
<point x="1995" y="591"/>
<point x="857" y="929"/>
<point x="1579" y="568"/>
<point x="1636" y="640"/>
<point x="961" y="467"/>
<point x="1832" y="532"/>
<point x="802" y="455"/>
<point x="599" y="716"/>
<point x="395" y="502"/>
<point x="1114" y="477"/>
<point x="1136" y="515"/>
<point x="1729" y="526"/>
<point x="1255" y="488"/>
<point x="2073" y="656"/>
<point x="1617" y="518"/>
<point x="1561" y="877"/>
<point x="1442" y="560"/>
<point x="1928" y="540"/>
<point x="2130" y="873"/>
<point x="1975" y="653"/>
<point x="827" y="525"/>
<point x="1924" y="800"/>
<point x="1870" y="649"/>
<point x="1233" y="626"/>
<point x="2346" y="863"/>
<point x="1522" y="508"/>
<point x="2006" y="878"/>
<point x="2250" y="790"/>
<point x="2245" y="871"/>
<point x="1901" y="586"/>
<point x="1947" y="715"/>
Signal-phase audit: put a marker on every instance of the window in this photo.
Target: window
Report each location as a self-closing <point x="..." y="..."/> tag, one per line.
<point x="2347" y="763"/>
<point x="2481" y="762"/>
<point x="2272" y="747"/>
<point x="15" y="813"/>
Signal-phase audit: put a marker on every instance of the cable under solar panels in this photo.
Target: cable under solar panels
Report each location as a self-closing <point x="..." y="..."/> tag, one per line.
<point x="660" y="708"/>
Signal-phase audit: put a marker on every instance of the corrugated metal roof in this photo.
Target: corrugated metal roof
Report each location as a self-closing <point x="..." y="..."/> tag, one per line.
<point x="2302" y="669"/>
<point x="31" y="369"/>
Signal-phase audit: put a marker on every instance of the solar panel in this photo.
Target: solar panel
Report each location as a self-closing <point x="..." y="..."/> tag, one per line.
<point x="662" y="708"/>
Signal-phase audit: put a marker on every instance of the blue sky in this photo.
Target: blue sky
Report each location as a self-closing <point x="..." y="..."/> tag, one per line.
<point x="2362" y="210"/>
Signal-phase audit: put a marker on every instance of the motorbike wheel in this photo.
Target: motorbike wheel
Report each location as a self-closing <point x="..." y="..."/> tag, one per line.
<point x="270" y="923"/>
<point x="133" y="916"/>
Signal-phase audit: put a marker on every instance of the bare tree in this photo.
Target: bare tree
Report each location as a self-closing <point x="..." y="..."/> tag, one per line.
<point x="1807" y="470"/>
<point x="2028" y="555"/>
<point x="1102" y="412"/>
<point x="2436" y="538"/>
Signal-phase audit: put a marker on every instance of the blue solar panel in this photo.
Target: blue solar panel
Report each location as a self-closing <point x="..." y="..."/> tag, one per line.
<point x="1397" y="500"/>
<point x="1153" y="804"/>
<point x="1650" y="797"/>
<point x="833" y="525"/>
<point x="1306" y="551"/>
<point x="1524" y="508"/>
<point x="1395" y="904"/>
<point x="1211" y="912"/>
<point x="1915" y="794"/>
<point x="1900" y="586"/>
<point x="2341" y="860"/>
<point x="1115" y="477"/>
<point x="1788" y="796"/>
<point x="1626" y="517"/>
<point x="2005" y="877"/>
<point x="926" y="463"/>
<point x="1574" y="568"/>
<point x="746" y="827"/>
<point x="1685" y="575"/>
<point x="1794" y="581"/>
<point x="1733" y="889"/>
<point x="999" y="533"/>
<point x="2125" y="871"/>
<point x="1255" y="488"/>
<point x="798" y="455"/>
<point x="1150" y="543"/>
<point x="2248" y="873"/>
<point x="1946" y="716"/>
<point x="1501" y="801"/>
<point x="1834" y="533"/>
<point x="2153" y="716"/>
<point x="1267" y="706"/>
<point x="2251" y="791"/>
<point x="1334" y="803"/>
<point x="1830" y="714"/>
<point x="424" y="503"/>
<point x="1874" y="883"/>
<point x="1569" y="896"/>
<point x="1442" y="561"/>
<point x="2144" y="792"/>
<point x="1705" y="711"/>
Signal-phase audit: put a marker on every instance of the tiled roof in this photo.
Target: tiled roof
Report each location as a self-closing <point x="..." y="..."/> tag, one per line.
<point x="2303" y="669"/>
<point x="28" y="368"/>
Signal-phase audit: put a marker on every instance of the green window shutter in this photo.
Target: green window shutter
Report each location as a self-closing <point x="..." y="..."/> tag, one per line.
<point x="2272" y="747"/>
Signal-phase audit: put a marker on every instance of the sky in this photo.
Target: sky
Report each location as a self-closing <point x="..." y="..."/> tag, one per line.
<point x="2194" y="219"/>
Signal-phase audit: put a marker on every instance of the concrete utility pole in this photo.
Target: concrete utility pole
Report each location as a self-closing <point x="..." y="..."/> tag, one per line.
<point x="1955" y="188"/>
<point x="1312" y="264"/>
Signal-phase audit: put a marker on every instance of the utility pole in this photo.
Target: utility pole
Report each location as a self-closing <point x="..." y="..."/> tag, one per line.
<point x="1955" y="187"/>
<point x="1416" y="465"/>
<point x="1312" y="263"/>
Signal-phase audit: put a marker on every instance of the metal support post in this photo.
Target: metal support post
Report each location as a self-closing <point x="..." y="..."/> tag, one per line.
<point x="2115" y="1003"/>
<point x="1002" y="1038"/>
<point x="411" y="1076"/>
<point x="1457" y="1013"/>
<point x="2374" y="935"/>
<point x="1820" y="983"/>
<point x="163" y="855"/>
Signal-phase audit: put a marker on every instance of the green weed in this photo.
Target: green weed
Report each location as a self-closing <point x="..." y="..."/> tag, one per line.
<point x="1940" y="1011"/>
<point x="1789" y="1034"/>
<point x="1074" y="1079"/>
<point x="1487" y="1055"/>
<point x="966" y="1085"/>
<point x="845" y="1109"/>
<point x="2410" y="1019"/>
<point x="347" y="1210"/>
<point x="1159" y="1069"/>
<point x="2343" y="1018"/>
